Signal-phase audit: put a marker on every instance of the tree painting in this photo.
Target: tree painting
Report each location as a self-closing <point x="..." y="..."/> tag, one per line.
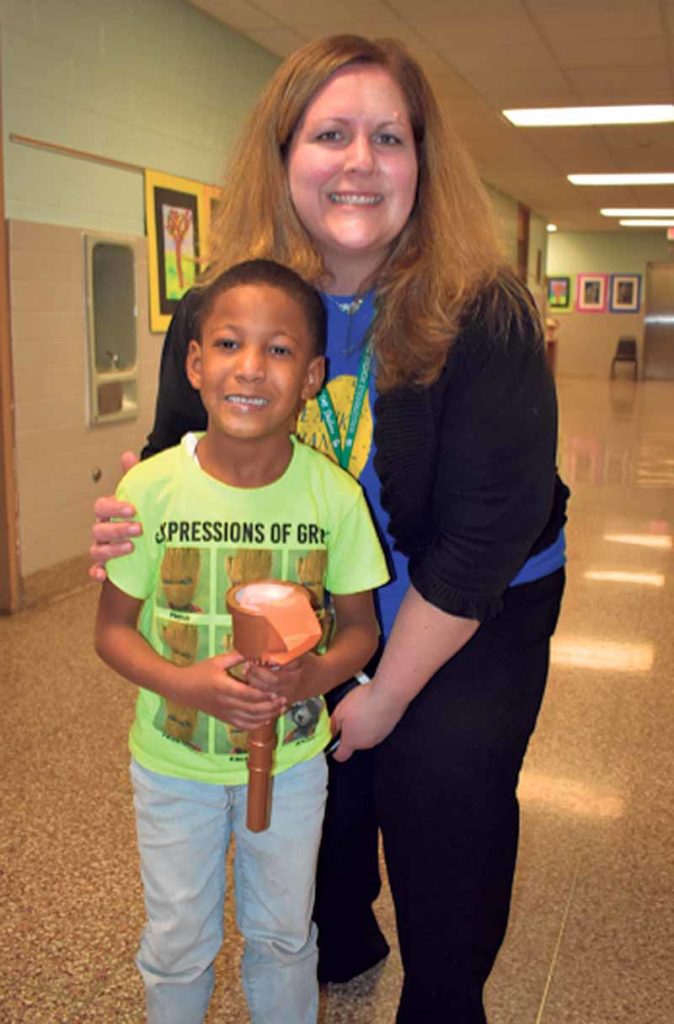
<point x="175" y="211"/>
<point x="179" y="255"/>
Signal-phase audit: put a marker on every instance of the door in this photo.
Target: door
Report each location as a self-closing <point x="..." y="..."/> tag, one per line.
<point x="658" y="355"/>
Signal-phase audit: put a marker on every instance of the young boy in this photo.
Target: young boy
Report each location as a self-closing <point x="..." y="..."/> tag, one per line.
<point x="244" y="501"/>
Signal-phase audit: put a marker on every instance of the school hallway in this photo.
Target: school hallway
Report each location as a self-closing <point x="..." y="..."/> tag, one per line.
<point x="591" y="936"/>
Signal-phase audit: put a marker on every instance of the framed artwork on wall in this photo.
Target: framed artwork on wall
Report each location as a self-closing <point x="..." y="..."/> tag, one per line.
<point x="591" y="293"/>
<point x="558" y="293"/>
<point x="625" y="293"/>
<point x="175" y="212"/>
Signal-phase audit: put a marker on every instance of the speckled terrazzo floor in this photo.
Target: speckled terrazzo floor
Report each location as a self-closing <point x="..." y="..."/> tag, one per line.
<point x="591" y="938"/>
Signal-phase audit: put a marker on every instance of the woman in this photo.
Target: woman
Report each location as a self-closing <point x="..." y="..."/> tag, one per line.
<point x="347" y="174"/>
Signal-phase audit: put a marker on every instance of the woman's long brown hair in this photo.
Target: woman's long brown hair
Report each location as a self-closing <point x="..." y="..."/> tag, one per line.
<point x="446" y="255"/>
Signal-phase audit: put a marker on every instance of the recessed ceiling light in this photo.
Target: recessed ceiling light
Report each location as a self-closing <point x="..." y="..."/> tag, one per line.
<point x="646" y="222"/>
<point x="635" y="211"/>
<point x="622" y="179"/>
<point x="552" y="227"/>
<point x="556" y="117"/>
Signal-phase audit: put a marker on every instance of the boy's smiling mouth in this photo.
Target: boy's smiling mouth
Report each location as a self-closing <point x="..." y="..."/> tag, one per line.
<point x="243" y="400"/>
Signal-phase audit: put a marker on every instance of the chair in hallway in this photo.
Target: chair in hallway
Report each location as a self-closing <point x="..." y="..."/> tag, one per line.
<point x="626" y="352"/>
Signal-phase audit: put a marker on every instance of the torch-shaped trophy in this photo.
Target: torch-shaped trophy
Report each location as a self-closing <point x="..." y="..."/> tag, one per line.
<point x="271" y="622"/>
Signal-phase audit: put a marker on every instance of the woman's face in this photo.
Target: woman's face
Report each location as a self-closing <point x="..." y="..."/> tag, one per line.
<point x="352" y="171"/>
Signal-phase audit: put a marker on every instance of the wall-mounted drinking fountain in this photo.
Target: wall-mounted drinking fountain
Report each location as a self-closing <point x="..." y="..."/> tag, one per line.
<point x="111" y="329"/>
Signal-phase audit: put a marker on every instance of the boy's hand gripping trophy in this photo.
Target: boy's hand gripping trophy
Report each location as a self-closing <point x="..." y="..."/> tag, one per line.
<point x="271" y="622"/>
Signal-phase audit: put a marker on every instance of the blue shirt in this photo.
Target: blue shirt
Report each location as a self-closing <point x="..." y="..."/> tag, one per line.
<point x="346" y="335"/>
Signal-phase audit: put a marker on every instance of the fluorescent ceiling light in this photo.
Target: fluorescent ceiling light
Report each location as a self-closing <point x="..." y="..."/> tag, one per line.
<point x="646" y="222"/>
<point x="635" y="211"/>
<point x="556" y="117"/>
<point x="551" y="227"/>
<point x="622" y="179"/>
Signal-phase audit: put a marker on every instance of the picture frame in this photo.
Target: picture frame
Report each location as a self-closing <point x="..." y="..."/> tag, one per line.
<point x="558" y="293"/>
<point x="625" y="293"/>
<point x="591" y="293"/>
<point x="175" y="213"/>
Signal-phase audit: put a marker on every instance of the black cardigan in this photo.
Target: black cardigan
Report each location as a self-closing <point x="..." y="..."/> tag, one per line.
<point x="467" y="467"/>
<point x="179" y="407"/>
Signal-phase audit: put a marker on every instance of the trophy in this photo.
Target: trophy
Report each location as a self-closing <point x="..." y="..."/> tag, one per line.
<point x="274" y="622"/>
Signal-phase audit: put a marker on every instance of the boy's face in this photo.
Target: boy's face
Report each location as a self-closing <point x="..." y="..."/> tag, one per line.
<point x="255" y="364"/>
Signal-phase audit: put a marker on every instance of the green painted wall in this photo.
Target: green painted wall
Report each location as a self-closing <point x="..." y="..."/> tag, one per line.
<point x="587" y="341"/>
<point x="150" y="82"/>
<point x="606" y="252"/>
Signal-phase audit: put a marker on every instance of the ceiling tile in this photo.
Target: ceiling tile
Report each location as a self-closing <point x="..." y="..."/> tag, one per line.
<point x="237" y="14"/>
<point x="595" y="53"/>
<point x="641" y="147"/>
<point x="669" y="16"/>
<point x="279" y="40"/>
<point x="433" y="63"/>
<point x="526" y="87"/>
<point x="603" y="8"/>
<point x="478" y="31"/>
<point x="336" y="25"/>
<point x="495" y="58"/>
<point x="637" y="20"/>
<point x="646" y="84"/>
<point x="438" y="9"/>
<point x="647" y="195"/>
<point x="311" y="12"/>
<point x="570" y="148"/>
<point x="626" y="195"/>
<point x="449" y="86"/>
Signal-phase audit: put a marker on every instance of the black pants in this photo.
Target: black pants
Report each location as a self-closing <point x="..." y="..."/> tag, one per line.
<point x="445" y="793"/>
<point x="347" y="878"/>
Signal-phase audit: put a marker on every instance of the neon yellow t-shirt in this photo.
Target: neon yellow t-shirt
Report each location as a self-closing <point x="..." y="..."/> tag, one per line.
<point x="200" y="537"/>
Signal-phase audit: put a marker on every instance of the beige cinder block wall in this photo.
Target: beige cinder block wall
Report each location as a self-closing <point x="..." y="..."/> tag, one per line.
<point x="58" y="452"/>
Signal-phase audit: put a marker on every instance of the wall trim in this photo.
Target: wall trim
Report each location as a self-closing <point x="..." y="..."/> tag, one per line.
<point x="10" y="574"/>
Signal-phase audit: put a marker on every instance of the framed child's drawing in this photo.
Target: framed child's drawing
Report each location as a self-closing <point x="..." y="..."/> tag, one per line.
<point x="175" y="211"/>
<point x="559" y="293"/>
<point x="591" y="293"/>
<point x="625" y="293"/>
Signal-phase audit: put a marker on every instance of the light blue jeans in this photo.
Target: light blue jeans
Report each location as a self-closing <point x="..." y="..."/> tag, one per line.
<point x="184" y="829"/>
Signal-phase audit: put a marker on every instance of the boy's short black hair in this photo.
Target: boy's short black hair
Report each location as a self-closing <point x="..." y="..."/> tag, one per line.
<point x="276" y="276"/>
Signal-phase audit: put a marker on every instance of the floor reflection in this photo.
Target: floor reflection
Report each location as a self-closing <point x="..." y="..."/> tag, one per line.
<point x="626" y="438"/>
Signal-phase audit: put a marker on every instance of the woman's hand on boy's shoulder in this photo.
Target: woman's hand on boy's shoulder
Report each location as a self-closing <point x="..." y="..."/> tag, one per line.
<point x="112" y="539"/>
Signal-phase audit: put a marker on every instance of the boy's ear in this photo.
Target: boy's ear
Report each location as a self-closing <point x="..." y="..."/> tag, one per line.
<point x="193" y="364"/>
<point x="313" y="380"/>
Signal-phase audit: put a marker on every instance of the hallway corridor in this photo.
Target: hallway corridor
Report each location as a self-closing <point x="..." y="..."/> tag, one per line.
<point x="591" y="937"/>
